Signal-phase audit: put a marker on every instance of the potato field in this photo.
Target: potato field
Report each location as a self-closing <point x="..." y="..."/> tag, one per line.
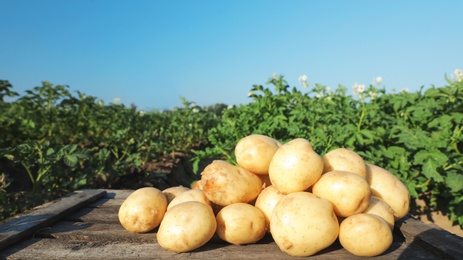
<point x="54" y="141"/>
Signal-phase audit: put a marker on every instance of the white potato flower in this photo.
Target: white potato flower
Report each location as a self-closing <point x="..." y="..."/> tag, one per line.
<point x="377" y="80"/>
<point x="458" y="75"/>
<point x="361" y="88"/>
<point x="355" y="88"/>
<point x="303" y="80"/>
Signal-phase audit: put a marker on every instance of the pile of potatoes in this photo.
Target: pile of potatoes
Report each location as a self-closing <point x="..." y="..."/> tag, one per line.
<point x="304" y="200"/>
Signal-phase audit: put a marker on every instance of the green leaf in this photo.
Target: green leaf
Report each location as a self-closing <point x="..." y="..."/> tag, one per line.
<point x="71" y="160"/>
<point x="454" y="181"/>
<point x="429" y="170"/>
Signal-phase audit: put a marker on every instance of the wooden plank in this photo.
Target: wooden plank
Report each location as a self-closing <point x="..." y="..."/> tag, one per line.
<point x="96" y="215"/>
<point x="25" y="225"/>
<point x="115" y="234"/>
<point x="84" y="231"/>
<point x="95" y="232"/>
<point x="118" y="194"/>
<point x="432" y="237"/>
<point x="42" y="248"/>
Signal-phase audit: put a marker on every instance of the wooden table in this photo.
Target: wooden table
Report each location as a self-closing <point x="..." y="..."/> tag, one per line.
<point x="84" y="225"/>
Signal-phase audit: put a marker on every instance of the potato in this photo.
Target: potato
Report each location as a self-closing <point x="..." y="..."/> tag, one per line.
<point x="267" y="200"/>
<point x="365" y="235"/>
<point x="295" y="166"/>
<point x="172" y="192"/>
<point x="143" y="210"/>
<point x="254" y="152"/>
<point x="349" y="193"/>
<point x="240" y="223"/>
<point x="380" y="208"/>
<point x="343" y="159"/>
<point x="225" y="183"/>
<point x="196" y="185"/>
<point x="186" y="227"/>
<point x="190" y="195"/>
<point x="385" y="185"/>
<point x="303" y="224"/>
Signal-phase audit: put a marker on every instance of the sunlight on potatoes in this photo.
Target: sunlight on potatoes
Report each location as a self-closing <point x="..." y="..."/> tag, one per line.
<point x="304" y="201"/>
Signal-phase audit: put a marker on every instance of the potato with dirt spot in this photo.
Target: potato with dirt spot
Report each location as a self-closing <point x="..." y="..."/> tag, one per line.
<point x="254" y="152"/>
<point x="295" y="166"/>
<point x="143" y="210"/>
<point x="343" y="159"/>
<point x="186" y="227"/>
<point x="240" y="224"/>
<point x="365" y="235"/>
<point x="349" y="193"/>
<point x="172" y="192"/>
<point x="225" y="183"/>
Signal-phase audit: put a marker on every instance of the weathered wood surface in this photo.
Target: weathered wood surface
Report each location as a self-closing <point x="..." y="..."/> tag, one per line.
<point x="25" y="225"/>
<point x="94" y="231"/>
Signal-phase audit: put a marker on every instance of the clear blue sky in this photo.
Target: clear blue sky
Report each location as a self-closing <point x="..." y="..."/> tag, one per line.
<point x="150" y="53"/>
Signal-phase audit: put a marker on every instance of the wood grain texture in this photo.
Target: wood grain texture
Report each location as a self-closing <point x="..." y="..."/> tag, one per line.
<point x="25" y="225"/>
<point x="94" y="232"/>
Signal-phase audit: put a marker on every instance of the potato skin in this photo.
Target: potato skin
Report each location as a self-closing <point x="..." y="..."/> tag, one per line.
<point x="189" y="195"/>
<point x="254" y="152"/>
<point x="267" y="200"/>
<point x="186" y="227"/>
<point x="380" y="208"/>
<point x="143" y="210"/>
<point x="343" y="159"/>
<point x="388" y="187"/>
<point x="302" y="224"/>
<point x="225" y="183"/>
<point x="349" y="193"/>
<point x="295" y="166"/>
<point x="365" y="235"/>
<point x="241" y="223"/>
<point x="172" y="192"/>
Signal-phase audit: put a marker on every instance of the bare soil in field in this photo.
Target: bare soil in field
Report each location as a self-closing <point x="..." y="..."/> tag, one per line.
<point x="439" y="219"/>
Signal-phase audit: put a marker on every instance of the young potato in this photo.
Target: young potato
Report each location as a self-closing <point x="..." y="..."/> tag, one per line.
<point x="349" y="193"/>
<point x="295" y="166"/>
<point x="190" y="195"/>
<point x="380" y="208"/>
<point x="186" y="227"/>
<point x="172" y="192"/>
<point x="343" y="159"/>
<point x="385" y="185"/>
<point x="302" y="224"/>
<point x="267" y="200"/>
<point x="254" y="152"/>
<point x="365" y="235"/>
<point x="225" y="183"/>
<point x="143" y="210"/>
<point x="240" y="223"/>
<point x="196" y="185"/>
